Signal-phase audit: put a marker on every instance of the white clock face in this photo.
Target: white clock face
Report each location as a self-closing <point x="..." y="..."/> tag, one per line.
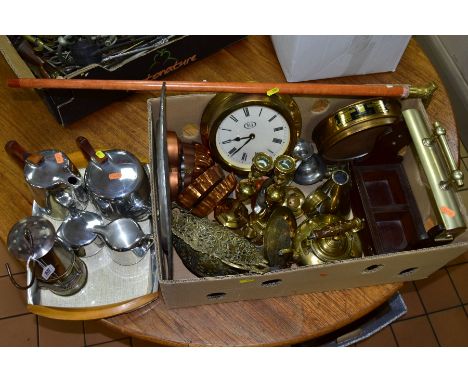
<point x="249" y="130"/>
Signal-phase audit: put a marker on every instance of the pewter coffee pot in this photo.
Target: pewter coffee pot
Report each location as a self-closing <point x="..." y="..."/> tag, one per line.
<point x="117" y="183"/>
<point x="53" y="264"/>
<point x="56" y="184"/>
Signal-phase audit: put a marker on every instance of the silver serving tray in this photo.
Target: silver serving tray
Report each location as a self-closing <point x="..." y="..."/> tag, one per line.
<point x="108" y="282"/>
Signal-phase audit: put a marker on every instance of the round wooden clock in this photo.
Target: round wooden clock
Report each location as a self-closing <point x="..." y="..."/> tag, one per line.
<point x="236" y="126"/>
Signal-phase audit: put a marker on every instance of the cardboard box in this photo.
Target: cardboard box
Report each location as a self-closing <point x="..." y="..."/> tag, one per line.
<point x="188" y="290"/>
<point x="304" y="58"/>
<point x="173" y="53"/>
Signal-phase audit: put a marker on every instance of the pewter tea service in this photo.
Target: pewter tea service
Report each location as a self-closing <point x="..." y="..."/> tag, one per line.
<point x="66" y="229"/>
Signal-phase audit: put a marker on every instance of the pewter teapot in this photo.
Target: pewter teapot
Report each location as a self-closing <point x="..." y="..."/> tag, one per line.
<point x="116" y="182"/>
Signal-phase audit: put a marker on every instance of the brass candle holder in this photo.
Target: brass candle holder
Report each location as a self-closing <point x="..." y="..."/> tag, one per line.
<point x="275" y="195"/>
<point x="232" y="213"/>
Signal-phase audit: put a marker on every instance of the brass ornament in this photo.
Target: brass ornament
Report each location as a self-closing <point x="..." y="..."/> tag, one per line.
<point x="332" y="197"/>
<point x="275" y="196"/>
<point x="423" y="92"/>
<point x="278" y="235"/>
<point x="232" y="213"/>
<point x="325" y="238"/>
<point x="209" y="249"/>
<point x="224" y="105"/>
<point x="294" y="199"/>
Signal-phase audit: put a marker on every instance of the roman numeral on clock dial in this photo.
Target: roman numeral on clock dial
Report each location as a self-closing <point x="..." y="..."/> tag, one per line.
<point x="272" y="118"/>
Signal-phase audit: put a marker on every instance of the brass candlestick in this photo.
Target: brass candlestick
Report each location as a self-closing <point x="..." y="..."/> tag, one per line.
<point x="275" y="195"/>
<point x="232" y="213"/>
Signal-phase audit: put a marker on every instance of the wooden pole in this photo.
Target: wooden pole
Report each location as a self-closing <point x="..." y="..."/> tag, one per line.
<point x="372" y="90"/>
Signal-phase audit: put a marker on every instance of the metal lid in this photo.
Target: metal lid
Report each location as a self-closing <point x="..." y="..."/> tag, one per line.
<point x="118" y="176"/>
<point x="340" y="177"/>
<point x="76" y="229"/>
<point x="50" y="172"/>
<point x="42" y="236"/>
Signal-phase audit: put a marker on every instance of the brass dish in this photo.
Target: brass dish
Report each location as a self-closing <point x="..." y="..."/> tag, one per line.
<point x="351" y="132"/>
<point x="277" y="238"/>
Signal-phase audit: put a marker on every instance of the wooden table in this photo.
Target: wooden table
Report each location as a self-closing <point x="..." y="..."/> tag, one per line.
<point x="276" y="321"/>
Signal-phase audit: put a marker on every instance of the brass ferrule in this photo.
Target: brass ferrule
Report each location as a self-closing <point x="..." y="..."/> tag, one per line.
<point x="423" y="92"/>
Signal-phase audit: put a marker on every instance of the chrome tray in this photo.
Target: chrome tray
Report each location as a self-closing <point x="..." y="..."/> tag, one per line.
<point x="108" y="283"/>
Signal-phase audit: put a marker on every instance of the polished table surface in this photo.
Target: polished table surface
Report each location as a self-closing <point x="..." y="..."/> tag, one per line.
<point x="275" y="321"/>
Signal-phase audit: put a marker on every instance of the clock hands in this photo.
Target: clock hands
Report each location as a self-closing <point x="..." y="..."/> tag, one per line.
<point x="250" y="137"/>
<point x="235" y="139"/>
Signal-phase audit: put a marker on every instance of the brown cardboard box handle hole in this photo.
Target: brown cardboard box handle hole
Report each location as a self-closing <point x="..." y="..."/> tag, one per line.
<point x="216" y="295"/>
<point x="271" y="283"/>
<point x="372" y="268"/>
<point x="408" y="271"/>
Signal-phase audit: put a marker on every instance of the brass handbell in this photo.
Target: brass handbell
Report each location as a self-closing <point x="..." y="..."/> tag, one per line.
<point x="325" y="238"/>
